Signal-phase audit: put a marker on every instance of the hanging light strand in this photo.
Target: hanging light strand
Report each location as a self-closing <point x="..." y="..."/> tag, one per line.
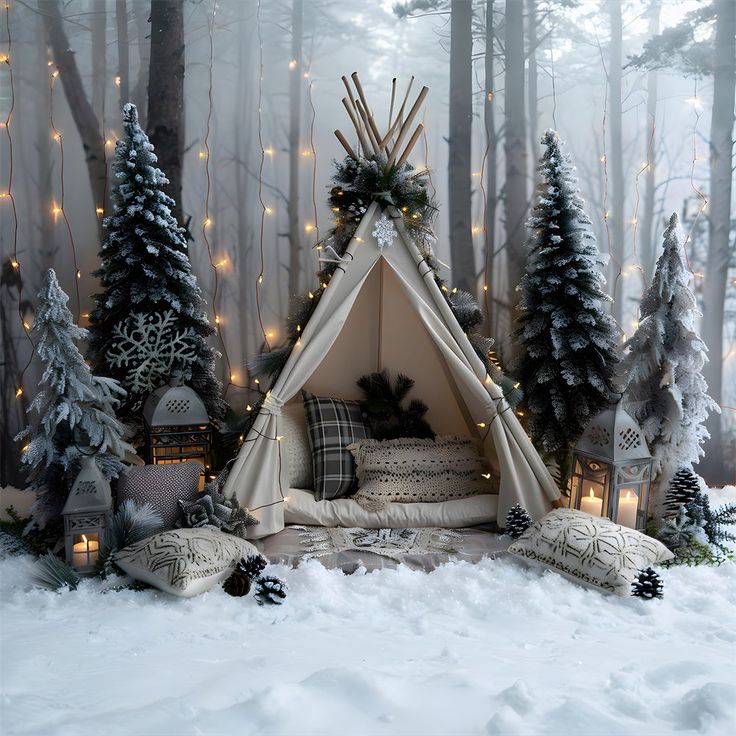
<point x="59" y="209"/>
<point x="207" y="221"/>
<point x="8" y="194"/>
<point x="314" y="155"/>
<point x="259" y="279"/>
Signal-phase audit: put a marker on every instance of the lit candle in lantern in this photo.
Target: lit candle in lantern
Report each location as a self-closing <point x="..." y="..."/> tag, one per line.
<point x="627" y="508"/>
<point x="591" y="504"/>
<point x="85" y="552"/>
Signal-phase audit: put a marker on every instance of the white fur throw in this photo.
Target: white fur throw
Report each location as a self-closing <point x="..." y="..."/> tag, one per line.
<point x="410" y="470"/>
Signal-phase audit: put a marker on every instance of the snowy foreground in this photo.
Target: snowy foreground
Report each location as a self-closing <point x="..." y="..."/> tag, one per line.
<point x="493" y="648"/>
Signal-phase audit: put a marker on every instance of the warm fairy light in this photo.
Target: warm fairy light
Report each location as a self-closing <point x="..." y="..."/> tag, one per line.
<point x="695" y="102"/>
<point x="516" y="385"/>
<point x="485" y="287"/>
<point x="311" y="295"/>
<point x="85" y="314"/>
<point x="602" y="159"/>
<point x="55" y="73"/>
<point x="644" y="165"/>
<point x="270" y="334"/>
<point x="260" y="278"/>
<point x="476" y="173"/>
<point x="633" y="221"/>
<point x="56" y="136"/>
<point x="268" y="151"/>
<point x="79" y="274"/>
<point x="634" y="323"/>
<point x="15" y="264"/>
<point x="4" y="195"/>
<point x="475" y="230"/>
<point x="222" y="263"/>
<point x="298" y="341"/>
<point x="606" y="214"/>
<point x="520" y="413"/>
<point x="56" y="210"/>
<point x="99" y="211"/>
<point x="698" y="275"/>
<point x="482" y="425"/>
<point x="4" y="59"/>
<point x="308" y="228"/>
<point x="217" y="319"/>
<point x="257" y="381"/>
<point x="444" y="288"/>
<point x="24" y="448"/>
<point x="248" y="407"/>
<point x="306" y="152"/>
<point x="18" y="392"/>
<point x="117" y="80"/>
<point x="487" y="476"/>
<point x="268" y="211"/>
<point x="292" y="64"/>
<point x="360" y="240"/>
<point x="454" y="290"/>
<point x="233" y="377"/>
<point x="279" y="437"/>
<point x="207" y="222"/>
<point x="202" y="154"/>
<point x="26" y="326"/>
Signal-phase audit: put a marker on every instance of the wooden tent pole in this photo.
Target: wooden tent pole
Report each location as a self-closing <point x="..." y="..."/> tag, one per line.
<point x="353" y="118"/>
<point x="345" y="144"/>
<point x="369" y="117"/>
<point x="410" y="144"/>
<point x="407" y="124"/>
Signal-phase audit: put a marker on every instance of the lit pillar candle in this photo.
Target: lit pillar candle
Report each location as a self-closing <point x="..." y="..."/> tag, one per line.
<point x="627" y="508"/>
<point x="591" y="504"/>
<point x="85" y="552"/>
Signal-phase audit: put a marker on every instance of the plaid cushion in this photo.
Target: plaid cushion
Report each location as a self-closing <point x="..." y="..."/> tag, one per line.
<point x="333" y="424"/>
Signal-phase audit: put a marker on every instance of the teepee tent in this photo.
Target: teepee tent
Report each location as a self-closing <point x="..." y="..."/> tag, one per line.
<point x="383" y="309"/>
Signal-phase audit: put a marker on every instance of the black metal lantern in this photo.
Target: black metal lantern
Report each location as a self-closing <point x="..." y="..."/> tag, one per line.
<point x="177" y="427"/>
<point x="611" y="469"/>
<point x="87" y="516"/>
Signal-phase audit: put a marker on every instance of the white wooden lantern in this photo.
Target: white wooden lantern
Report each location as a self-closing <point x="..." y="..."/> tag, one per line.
<point x="87" y="516"/>
<point x="611" y="469"/>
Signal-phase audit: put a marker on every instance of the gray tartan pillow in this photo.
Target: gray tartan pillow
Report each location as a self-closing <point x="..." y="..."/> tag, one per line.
<point x="163" y="486"/>
<point x="333" y="425"/>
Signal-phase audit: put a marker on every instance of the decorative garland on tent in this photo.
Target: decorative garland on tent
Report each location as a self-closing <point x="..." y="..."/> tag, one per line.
<point x="355" y="185"/>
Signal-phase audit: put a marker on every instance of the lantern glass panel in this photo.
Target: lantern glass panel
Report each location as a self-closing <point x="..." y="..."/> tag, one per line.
<point x="85" y="550"/>
<point x="627" y="503"/>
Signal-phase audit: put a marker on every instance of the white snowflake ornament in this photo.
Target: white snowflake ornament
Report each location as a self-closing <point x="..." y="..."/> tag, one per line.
<point x="384" y="232"/>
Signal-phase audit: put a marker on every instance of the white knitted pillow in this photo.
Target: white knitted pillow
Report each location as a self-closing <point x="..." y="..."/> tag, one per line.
<point x="590" y="549"/>
<point x="411" y="470"/>
<point x="298" y="450"/>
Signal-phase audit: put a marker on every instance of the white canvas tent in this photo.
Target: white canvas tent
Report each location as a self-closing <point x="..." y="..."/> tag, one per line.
<point x="383" y="309"/>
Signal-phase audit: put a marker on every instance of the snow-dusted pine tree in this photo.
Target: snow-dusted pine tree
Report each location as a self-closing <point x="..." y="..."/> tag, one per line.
<point x="73" y="410"/>
<point x="149" y="288"/>
<point x="565" y="342"/>
<point x="664" y="362"/>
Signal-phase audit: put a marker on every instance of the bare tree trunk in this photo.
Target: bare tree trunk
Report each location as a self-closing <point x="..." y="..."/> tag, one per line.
<point x="719" y="217"/>
<point x="648" y="237"/>
<point x="461" y="121"/>
<point x="84" y="117"/>
<point x="142" y="14"/>
<point x="99" y="56"/>
<point x="515" y="146"/>
<point x="491" y="163"/>
<point x="295" y="99"/>
<point x="166" y="94"/>
<point x="533" y="103"/>
<point x="123" y="78"/>
<point x="615" y="159"/>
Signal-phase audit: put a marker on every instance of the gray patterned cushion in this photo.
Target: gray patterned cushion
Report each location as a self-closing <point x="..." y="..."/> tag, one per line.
<point x="163" y="486"/>
<point x="296" y="441"/>
<point x="590" y="549"/>
<point x="333" y="424"/>
<point x="184" y="562"/>
<point x="412" y="470"/>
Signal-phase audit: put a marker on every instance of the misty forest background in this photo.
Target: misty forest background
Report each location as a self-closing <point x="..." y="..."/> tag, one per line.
<point x="241" y="100"/>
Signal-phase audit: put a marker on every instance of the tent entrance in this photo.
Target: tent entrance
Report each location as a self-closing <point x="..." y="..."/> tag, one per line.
<point x="384" y="331"/>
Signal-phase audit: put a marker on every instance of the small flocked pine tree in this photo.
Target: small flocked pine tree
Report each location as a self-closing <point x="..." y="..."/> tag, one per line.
<point x="566" y="343"/>
<point x="73" y="408"/>
<point x="150" y="316"/>
<point x="683" y="489"/>
<point x="664" y="362"/>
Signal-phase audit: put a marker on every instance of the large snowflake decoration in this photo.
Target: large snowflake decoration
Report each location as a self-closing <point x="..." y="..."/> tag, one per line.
<point x="384" y="232"/>
<point x="148" y="346"/>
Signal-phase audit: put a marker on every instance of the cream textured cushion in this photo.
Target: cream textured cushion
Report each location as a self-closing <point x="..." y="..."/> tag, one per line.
<point x="184" y="562"/>
<point x="301" y="507"/>
<point x="410" y="470"/>
<point x="296" y="442"/>
<point x="590" y="549"/>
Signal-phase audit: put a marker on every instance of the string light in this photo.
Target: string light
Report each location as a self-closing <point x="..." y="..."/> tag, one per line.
<point x="313" y="150"/>
<point x="62" y="194"/>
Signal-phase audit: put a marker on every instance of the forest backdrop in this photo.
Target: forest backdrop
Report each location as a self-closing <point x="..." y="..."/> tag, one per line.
<point x="241" y="98"/>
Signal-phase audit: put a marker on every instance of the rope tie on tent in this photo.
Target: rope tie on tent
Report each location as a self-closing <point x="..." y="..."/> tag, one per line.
<point x="272" y="405"/>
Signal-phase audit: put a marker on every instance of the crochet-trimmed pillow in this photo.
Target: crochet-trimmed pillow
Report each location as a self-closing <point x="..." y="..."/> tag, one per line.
<point x="296" y="442"/>
<point x="411" y="470"/>
<point x="163" y="486"/>
<point x="333" y="425"/>
<point x="184" y="562"/>
<point x="590" y="549"/>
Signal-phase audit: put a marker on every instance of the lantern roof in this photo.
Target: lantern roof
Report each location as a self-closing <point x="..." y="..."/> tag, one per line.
<point x="90" y="492"/>
<point x="174" y="405"/>
<point x="613" y="435"/>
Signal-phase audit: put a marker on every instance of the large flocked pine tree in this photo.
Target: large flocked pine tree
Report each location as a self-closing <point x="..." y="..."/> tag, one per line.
<point x="73" y="411"/>
<point x="664" y="362"/>
<point x="150" y="317"/>
<point x="566" y="343"/>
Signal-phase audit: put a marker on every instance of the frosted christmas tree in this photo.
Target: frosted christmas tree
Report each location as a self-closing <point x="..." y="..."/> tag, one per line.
<point x="73" y="412"/>
<point x="664" y="362"/>
<point x="566" y="342"/>
<point x="150" y="317"/>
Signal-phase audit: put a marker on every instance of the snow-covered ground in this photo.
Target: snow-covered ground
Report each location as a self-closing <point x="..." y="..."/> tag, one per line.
<point x="493" y="648"/>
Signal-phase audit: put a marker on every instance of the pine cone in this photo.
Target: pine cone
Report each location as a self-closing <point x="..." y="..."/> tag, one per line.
<point x="253" y="566"/>
<point x="270" y="590"/>
<point x="648" y="585"/>
<point x="684" y="489"/>
<point x="238" y="584"/>
<point x="517" y="521"/>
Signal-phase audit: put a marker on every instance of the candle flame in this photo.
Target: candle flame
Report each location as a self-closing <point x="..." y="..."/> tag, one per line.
<point x="592" y="493"/>
<point x="628" y="494"/>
